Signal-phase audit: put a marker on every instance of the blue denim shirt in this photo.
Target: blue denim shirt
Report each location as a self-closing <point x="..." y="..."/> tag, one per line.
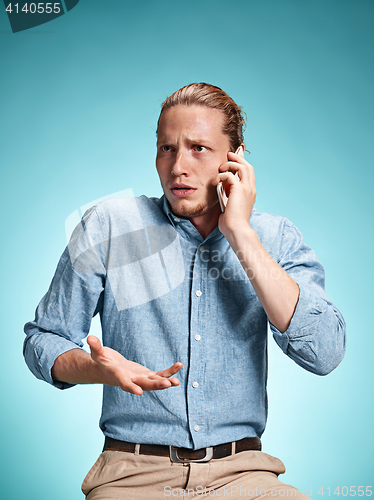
<point x="164" y="294"/>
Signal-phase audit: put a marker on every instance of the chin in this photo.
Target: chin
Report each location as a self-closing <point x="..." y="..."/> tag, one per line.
<point x="188" y="210"/>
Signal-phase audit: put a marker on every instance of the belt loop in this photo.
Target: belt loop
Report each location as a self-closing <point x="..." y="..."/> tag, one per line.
<point x="233" y="448"/>
<point x="137" y="448"/>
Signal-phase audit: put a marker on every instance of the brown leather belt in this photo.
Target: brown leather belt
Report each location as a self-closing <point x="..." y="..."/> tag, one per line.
<point x="185" y="454"/>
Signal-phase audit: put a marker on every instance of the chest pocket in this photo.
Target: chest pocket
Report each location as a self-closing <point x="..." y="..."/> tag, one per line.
<point x="239" y="312"/>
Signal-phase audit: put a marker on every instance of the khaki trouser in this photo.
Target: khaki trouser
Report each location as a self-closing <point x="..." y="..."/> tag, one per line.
<point x="249" y="474"/>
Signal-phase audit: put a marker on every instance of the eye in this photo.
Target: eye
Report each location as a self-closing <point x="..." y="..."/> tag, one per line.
<point x="199" y="148"/>
<point x="166" y="149"/>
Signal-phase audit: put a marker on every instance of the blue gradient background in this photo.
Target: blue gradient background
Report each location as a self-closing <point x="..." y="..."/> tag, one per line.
<point x="80" y="97"/>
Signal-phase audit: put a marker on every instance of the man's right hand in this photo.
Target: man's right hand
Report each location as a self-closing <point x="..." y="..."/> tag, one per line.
<point x="107" y="366"/>
<point x="129" y="376"/>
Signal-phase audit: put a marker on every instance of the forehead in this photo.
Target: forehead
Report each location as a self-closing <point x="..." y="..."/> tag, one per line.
<point x="197" y="121"/>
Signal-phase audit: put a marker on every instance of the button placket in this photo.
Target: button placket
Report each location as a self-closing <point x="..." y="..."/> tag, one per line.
<point x="195" y="393"/>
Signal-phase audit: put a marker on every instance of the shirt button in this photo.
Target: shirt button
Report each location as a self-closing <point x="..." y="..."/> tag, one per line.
<point x="196" y="428"/>
<point x="202" y="249"/>
<point x="199" y="293"/>
<point x="195" y="384"/>
<point x="176" y="219"/>
<point x="198" y="337"/>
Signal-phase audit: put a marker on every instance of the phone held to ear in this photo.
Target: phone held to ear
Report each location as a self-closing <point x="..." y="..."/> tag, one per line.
<point x="223" y="192"/>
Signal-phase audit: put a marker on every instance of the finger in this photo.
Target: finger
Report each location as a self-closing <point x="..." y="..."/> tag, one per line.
<point x="229" y="165"/>
<point x="240" y="159"/>
<point x="127" y="384"/>
<point x="170" y="371"/>
<point x="173" y="381"/>
<point x="245" y="169"/>
<point x="239" y="170"/>
<point x="95" y="345"/>
<point x="226" y="176"/>
<point x="251" y="172"/>
<point x="237" y="157"/>
<point x="151" y="384"/>
<point x="132" y="388"/>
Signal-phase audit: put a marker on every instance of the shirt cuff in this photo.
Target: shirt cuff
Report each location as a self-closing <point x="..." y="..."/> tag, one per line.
<point x="307" y="315"/>
<point x="41" y="355"/>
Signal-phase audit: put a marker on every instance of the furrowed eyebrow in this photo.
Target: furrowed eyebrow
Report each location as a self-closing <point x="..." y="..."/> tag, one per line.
<point x="200" y="140"/>
<point x="164" y="141"/>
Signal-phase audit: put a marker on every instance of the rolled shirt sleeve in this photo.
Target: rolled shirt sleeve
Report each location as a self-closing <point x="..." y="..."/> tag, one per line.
<point x="64" y="315"/>
<point x="315" y="338"/>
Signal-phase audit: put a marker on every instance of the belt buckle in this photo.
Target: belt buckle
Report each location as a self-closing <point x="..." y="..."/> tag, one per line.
<point x="173" y="452"/>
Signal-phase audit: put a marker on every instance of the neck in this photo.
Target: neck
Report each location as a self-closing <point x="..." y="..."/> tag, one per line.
<point x="205" y="223"/>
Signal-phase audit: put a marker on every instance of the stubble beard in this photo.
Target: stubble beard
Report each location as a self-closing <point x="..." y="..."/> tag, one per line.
<point x="187" y="212"/>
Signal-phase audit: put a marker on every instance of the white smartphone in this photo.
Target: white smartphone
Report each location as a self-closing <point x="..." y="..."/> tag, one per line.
<point x="221" y="190"/>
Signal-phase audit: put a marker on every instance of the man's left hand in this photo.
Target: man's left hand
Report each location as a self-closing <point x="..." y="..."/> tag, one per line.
<point x="242" y="193"/>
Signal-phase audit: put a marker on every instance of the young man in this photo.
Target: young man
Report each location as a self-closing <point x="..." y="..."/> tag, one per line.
<point x="179" y="283"/>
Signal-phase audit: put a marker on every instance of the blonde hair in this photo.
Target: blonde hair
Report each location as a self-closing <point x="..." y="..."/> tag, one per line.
<point x="204" y="94"/>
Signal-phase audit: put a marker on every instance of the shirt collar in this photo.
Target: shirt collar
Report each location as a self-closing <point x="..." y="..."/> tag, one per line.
<point x="185" y="226"/>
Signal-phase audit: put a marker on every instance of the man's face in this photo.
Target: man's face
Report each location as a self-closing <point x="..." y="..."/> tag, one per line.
<point x="190" y="148"/>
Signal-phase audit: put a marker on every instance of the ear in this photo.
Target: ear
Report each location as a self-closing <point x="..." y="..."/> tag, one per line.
<point x="240" y="150"/>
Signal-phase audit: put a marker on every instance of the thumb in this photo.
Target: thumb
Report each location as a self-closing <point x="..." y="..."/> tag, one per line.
<point x="95" y="346"/>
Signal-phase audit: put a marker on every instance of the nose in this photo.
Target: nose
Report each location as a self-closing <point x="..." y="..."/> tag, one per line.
<point x="180" y="166"/>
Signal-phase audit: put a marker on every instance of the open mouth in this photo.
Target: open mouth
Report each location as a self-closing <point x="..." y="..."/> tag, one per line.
<point x="182" y="190"/>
